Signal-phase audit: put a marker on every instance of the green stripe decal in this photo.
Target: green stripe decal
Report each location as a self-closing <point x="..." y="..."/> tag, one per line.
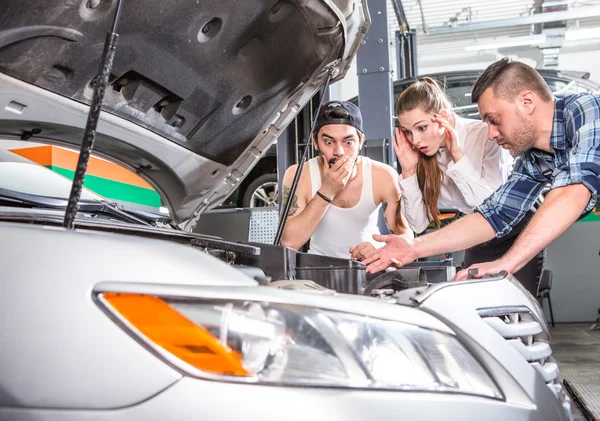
<point x="592" y="216"/>
<point x="114" y="189"/>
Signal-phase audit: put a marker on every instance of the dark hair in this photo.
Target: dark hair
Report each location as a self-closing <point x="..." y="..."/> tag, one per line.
<point x="335" y="114"/>
<point x="429" y="96"/>
<point x="508" y="79"/>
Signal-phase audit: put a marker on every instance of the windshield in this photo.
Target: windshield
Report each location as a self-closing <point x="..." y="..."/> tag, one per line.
<point x="32" y="173"/>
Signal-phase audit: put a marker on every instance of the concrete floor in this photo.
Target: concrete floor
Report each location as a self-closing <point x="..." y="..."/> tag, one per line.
<point x="577" y="351"/>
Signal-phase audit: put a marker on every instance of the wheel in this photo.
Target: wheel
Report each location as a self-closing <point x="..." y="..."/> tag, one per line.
<point x="262" y="192"/>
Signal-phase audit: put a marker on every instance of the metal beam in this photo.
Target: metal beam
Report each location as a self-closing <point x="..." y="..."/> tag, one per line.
<point x="577" y="13"/>
<point x="375" y="94"/>
<point x="406" y="54"/>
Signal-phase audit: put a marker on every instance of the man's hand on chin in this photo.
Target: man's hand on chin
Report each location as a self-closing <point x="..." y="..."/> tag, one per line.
<point x="489" y="268"/>
<point x="398" y="252"/>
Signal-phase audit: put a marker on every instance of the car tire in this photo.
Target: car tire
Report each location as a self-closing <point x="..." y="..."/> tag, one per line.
<point x="262" y="192"/>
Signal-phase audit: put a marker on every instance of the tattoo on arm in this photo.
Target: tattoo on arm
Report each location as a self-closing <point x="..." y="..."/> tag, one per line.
<point x="384" y="206"/>
<point x="294" y="205"/>
<point x="286" y="194"/>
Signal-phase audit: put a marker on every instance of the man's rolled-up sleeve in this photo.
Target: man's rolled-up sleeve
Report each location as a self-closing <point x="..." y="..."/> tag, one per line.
<point x="584" y="162"/>
<point x="507" y="206"/>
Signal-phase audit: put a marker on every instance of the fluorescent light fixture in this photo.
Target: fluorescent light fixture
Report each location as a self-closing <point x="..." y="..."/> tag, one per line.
<point x="507" y="42"/>
<point x="580" y="34"/>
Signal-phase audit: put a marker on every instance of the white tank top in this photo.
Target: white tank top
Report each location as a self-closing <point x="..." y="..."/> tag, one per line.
<point x="343" y="228"/>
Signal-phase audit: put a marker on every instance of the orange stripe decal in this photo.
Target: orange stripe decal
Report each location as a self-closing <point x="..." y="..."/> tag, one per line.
<point x="39" y="154"/>
<point x="64" y="158"/>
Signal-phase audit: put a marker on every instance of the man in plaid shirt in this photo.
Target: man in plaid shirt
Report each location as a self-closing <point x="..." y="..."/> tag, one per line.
<point x="557" y="141"/>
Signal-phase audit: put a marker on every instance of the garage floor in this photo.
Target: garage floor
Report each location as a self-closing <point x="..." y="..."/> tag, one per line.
<point x="577" y="350"/>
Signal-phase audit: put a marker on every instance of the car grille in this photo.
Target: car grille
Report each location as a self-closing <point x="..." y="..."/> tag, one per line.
<point x="520" y="328"/>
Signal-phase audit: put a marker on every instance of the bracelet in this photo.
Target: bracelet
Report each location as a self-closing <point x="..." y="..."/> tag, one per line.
<point x="325" y="198"/>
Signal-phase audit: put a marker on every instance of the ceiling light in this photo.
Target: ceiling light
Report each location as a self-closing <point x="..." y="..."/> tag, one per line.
<point x="507" y="42"/>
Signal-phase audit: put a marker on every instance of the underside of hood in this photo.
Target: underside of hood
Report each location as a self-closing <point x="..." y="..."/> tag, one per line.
<point x="218" y="80"/>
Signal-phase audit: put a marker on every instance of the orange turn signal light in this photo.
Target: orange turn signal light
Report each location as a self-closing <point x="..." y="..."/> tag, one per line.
<point x="169" y="329"/>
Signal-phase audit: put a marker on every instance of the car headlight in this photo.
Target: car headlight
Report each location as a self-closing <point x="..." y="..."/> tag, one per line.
<point x="268" y="343"/>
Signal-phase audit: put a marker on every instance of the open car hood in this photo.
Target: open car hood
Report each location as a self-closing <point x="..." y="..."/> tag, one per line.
<point x="198" y="91"/>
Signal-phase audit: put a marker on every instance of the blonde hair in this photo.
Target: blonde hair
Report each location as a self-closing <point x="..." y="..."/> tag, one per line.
<point x="427" y="95"/>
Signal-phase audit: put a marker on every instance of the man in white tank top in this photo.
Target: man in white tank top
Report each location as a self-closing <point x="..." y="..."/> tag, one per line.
<point x="337" y="201"/>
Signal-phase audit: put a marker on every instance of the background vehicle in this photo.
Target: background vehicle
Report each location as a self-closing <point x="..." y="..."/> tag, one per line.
<point x="459" y="84"/>
<point x="259" y="188"/>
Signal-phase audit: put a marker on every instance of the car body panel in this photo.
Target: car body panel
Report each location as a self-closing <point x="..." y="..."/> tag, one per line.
<point x="65" y="352"/>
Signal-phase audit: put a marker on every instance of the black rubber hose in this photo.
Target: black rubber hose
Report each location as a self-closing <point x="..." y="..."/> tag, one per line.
<point x="398" y="280"/>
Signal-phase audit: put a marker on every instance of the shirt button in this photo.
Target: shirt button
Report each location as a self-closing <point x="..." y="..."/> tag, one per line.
<point x="574" y="151"/>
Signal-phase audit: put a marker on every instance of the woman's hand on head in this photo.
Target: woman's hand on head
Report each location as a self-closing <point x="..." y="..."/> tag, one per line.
<point x="450" y="136"/>
<point x="407" y="155"/>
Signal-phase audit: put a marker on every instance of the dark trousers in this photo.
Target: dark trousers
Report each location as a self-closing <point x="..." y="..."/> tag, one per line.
<point x="529" y="275"/>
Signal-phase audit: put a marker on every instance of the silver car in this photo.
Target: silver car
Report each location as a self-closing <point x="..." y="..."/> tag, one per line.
<point x="131" y="316"/>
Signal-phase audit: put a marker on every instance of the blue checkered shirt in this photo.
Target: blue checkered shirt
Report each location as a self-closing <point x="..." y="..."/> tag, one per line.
<point x="575" y="139"/>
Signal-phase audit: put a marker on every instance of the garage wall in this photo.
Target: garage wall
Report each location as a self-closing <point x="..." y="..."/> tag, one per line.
<point x="584" y="57"/>
<point x="348" y="87"/>
<point x="574" y="260"/>
<point x="447" y="52"/>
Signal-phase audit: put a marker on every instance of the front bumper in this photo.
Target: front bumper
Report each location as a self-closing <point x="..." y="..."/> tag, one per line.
<point x="193" y="399"/>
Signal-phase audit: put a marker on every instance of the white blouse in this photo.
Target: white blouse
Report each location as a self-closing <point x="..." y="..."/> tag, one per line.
<point x="484" y="167"/>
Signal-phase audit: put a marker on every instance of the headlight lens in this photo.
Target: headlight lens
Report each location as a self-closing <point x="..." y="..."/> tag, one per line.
<point x="294" y="345"/>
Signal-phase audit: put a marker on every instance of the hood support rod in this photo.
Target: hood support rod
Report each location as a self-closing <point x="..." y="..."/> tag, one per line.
<point x="287" y="204"/>
<point x="100" y="82"/>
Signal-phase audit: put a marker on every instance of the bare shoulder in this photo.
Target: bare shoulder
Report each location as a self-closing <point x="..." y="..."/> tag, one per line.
<point x="304" y="184"/>
<point x="288" y="178"/>
<point x="289" y="173"/>
<point x="383" y="172"/>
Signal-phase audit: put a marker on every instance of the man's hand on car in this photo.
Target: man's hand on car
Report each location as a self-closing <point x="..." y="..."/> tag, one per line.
<point x="482" y="269"/>
<point x="336" y="177"/>
<point x="398" y="252"/>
